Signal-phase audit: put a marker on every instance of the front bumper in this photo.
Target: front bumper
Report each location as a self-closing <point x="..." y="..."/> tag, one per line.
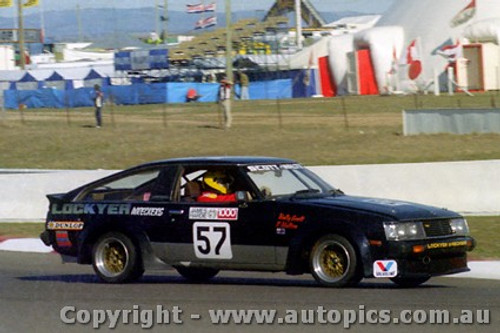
<point x="430" y="257"/>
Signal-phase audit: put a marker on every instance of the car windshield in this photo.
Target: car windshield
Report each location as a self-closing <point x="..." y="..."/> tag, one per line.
<point x="287" y="180"/>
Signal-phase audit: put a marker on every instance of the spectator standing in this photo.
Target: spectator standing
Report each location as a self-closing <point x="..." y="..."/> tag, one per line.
<point x="98" y="103"/>
<point x="244" y="82"/>
<point x="225" y="101"/>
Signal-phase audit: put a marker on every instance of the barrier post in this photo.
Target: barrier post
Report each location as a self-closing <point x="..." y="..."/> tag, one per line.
<point x="164" y="114"/>
<point x="344" y="112"/>
<point x="21" y="112"/>
<point x="280" y="119"/>
<point x="112" y="110"/>
<point x="68" y="118"/>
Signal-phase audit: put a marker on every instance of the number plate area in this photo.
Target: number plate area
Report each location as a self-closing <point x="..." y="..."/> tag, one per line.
<point x="212" y="240"/>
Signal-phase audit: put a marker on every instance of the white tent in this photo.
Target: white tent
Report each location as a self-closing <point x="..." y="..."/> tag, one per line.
<point x="432" y="34"/>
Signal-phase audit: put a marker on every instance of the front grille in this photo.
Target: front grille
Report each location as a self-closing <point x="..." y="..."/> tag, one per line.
<point x="437" y="228"/>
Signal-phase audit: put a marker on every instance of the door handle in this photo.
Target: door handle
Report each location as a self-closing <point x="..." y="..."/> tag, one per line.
<point x="176" y="211"/>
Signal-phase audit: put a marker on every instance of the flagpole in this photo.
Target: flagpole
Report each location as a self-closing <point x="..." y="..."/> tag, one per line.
<point x="165" y="22"/>
<point x="157" y="25"/>
<point x="229" y="42"/>
<point x="79" y="22"/>
<point x="42" y="20"/>
<point x="298" y="23"/>
<point x="22" y="60"/>
<point x="229" y="58"/>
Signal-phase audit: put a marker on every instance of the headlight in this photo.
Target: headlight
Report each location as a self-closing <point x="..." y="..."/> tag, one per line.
<point x="459" y="227"/>
<point x="396" y="231"/>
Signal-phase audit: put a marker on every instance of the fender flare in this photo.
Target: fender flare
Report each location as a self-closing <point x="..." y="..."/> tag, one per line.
<point x="298" y="259"/>
<point x="88" y="237"/>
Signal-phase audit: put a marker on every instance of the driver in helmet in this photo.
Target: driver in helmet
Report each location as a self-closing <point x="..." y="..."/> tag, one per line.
<point x="217" y="188"/>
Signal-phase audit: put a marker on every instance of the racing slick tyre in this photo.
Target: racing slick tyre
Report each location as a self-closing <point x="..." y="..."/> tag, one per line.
<point x="116" y="259"/>
<point x="409" y="282"/>
<point x="334" y="263"/>
<point x="197" y="274"/>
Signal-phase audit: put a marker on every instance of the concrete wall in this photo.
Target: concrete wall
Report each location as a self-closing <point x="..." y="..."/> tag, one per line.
<point x="23" y="192"/>
<point x="454" y="121"/>
<point x="466" y="187"/>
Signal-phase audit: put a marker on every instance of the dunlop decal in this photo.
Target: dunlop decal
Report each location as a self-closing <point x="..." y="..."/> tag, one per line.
<point x="65" y="225"/>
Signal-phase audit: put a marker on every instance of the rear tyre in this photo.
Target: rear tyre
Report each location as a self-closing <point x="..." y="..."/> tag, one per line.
<point x="333" y="262"/>
<point x="409" y="282"/>
<point x="116" y="259"/>
<point x="197" y="274"/>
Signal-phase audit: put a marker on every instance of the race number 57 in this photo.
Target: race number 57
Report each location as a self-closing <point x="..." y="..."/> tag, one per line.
<point x="212" y="240"/>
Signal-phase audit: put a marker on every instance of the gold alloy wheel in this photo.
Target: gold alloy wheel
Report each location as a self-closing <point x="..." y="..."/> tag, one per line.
<point x="111" y="257"/>
<point x="333" y="261"/>
<point x="115" y="257"/>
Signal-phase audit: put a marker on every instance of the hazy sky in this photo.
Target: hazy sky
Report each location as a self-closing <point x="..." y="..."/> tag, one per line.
<point x="364" y="6"/>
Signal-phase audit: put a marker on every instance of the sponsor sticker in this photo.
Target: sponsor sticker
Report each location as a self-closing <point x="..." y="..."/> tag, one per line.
<point x="65" y="225"/>
<point x="274" y="167"/>
<point x="433" y="246"/>
<point x="210" y="213"/>
<point x="289" y="221"/>
<point x="385" y="268"/>
<point x="147" y="211"/>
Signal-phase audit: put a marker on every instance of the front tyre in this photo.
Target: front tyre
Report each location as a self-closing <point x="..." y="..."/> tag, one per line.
<point x="334" y="263"/>
<point x="116" y="259"/>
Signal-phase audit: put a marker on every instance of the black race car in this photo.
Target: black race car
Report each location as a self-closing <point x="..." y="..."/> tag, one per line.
<point x="202" y="215"/>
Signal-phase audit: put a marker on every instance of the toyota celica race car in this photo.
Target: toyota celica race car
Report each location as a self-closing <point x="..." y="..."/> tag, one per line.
<point x="203" y="215"/>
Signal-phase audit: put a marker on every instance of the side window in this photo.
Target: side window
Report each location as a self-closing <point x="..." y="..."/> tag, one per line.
<point x="137" y="186"/>
<point x="193" y="182"/>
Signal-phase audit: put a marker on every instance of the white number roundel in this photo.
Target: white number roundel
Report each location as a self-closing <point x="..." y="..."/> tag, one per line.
<point x="212" y="240"/>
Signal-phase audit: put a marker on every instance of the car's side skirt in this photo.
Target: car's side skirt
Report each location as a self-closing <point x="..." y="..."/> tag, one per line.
<point x="243" y="257"/>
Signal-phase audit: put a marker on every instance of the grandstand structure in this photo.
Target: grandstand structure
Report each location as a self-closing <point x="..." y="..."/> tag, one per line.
<point x="247" y="39"/>
<point x="249" y="36"/>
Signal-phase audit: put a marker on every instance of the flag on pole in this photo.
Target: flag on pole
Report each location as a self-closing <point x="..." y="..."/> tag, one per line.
<point x="5" y="3"/>
<point x="200" y="8"/>
<point x="412" y="58"/>
<point x="205" y="23"/>
<point x="464" y="15"/>
<point x="194" y="9"/>
<point x="452" y="52"/>
<point x="211" y="7"/>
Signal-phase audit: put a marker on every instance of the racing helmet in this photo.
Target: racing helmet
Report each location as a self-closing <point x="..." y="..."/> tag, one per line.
<point x="218" y="181"/>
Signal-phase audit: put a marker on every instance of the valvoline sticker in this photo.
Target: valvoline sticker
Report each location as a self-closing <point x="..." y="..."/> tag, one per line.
<point x="385" y="268"/>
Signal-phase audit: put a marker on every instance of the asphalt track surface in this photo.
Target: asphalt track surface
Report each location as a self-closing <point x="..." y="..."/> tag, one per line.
<point x="35" y="288"/>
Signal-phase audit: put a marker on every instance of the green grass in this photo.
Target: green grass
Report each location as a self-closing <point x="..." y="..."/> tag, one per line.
<point x="314" y="131"/>
<point x="484" y="229"/>
<point x="322" y="131"/>
<point x="21" y="230"/>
